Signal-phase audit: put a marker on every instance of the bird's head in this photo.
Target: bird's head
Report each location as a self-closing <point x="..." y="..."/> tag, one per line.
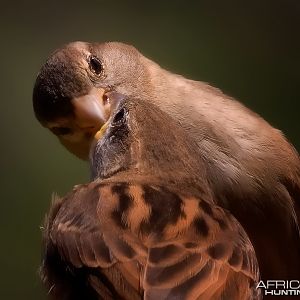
<point x="71" y="92"/>
<point x="141" y="139"/>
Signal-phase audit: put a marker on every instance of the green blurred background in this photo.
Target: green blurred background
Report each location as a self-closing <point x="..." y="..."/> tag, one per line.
<point x="250" y="49"/>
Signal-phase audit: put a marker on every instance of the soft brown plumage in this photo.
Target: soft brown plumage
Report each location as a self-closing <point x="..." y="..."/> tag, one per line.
<point x="250" y="167"/>
<point x="151" y="230"/>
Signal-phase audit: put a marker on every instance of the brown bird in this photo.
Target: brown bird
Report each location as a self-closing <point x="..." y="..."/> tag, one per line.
<point x="250" y="167"/>
<point x="151" y="228"/>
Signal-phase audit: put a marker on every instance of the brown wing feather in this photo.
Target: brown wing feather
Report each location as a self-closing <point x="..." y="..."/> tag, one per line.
<point x="137" y="241"/>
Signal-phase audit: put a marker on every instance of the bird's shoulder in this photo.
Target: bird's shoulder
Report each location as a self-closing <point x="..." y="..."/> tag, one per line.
<point x="175" y="238"/>
<point x="151" y="213"/>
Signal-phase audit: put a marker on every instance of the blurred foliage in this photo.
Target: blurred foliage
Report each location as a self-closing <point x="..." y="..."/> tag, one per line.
<point x="250" y="49"/>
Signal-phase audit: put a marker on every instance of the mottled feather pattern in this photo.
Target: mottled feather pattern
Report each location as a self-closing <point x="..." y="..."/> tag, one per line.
<point x="119" y="230"/>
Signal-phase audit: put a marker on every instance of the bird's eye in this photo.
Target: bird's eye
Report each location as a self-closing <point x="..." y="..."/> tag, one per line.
<point x="119" y="117"/>
<point x="61" y="130"/>
<point x="95" y="65"/>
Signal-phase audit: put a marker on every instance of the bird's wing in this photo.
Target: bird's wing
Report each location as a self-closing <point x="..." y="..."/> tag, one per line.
<point x="147" y="240"/>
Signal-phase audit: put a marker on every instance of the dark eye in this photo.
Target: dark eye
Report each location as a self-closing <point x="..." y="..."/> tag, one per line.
<point x="61" y="130"/>
<point x="119" y="117"/>
<point x="95" y="65"/>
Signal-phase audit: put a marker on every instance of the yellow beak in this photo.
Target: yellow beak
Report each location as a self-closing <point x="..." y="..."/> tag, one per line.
<point x="99" y="134"/>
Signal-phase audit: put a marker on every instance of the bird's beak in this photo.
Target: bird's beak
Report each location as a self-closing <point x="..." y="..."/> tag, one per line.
<point x="99" y="134"/>
<point x="114" y="99"/>
<point x="91" y="116"/>
<point x="92" y="110"/>
<point x="90" y="113"/>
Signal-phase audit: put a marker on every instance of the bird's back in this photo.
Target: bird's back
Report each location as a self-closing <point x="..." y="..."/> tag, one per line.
<point x="252" y="169"/>
<point x="143" y="240"/>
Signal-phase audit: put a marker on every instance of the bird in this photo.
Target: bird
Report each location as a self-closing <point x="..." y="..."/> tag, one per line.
<point x="251" y="168"/>
<point x="109" y="239"/>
